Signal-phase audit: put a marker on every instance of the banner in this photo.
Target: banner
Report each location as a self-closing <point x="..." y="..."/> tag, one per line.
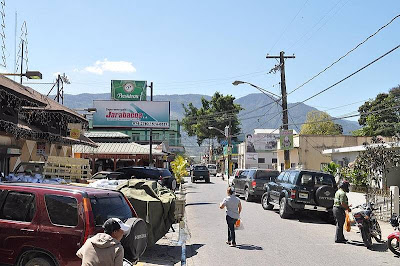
<point x="128" y="90"/>
<point x="251" y="158"/>
<point x="286" y="139"/>
<point x="125" y="114"/>
<point x="261" y="142"/>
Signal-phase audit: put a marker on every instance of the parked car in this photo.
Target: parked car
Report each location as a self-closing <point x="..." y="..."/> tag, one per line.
<point x="250" y="182"/>
<point x="236" y="173"/>
<point x="162" y="175"/>
<point x="212" y="168"/>
<point x="43" y="224"/>
<point x="297" y="190"/>
<point x="107" y="175"/>
<point x="200" y="172"/>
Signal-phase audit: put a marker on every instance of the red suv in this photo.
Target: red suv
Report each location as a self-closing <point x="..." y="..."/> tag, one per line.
<point x="42" y="224"/>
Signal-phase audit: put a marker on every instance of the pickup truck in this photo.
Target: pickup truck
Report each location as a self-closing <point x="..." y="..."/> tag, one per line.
<point x="200" y="172"/>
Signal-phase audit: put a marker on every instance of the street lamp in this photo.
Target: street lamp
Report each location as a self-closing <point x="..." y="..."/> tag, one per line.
<point x="27" y="74"/>
<point x="237" y="82"/>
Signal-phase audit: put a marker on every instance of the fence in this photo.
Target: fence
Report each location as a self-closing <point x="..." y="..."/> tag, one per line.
<point x="385" y="201"/>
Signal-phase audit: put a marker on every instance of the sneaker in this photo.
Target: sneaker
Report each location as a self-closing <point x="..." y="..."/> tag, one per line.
<point x="233" y="245"/>
<point x="228" y="242"/>
<point x="344" y="241"/>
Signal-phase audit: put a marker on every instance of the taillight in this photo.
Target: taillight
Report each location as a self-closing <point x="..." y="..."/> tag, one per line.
<point x="160" y="178"/>
<point x="292" y="193"/>
<point x="130" y="206"/>
<point x="253" y="184"/>
<point x="89" y="220"/>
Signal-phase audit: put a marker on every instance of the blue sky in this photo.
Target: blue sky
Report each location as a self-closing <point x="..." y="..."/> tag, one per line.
<point x="203" y="46"/>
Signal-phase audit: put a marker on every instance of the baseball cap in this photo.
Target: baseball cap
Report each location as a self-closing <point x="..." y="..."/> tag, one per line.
<point x="113" y="224"/>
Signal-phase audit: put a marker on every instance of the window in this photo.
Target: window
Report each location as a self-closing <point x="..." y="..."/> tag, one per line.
<point x="135" y="136"/>
<point x="280" y="177"/>
<point x="62" y="210"/>
<point x="292" y="177"/>
<point x="306" y="180"/>
<point x="293" y="165"/>
<point x="18" y="206"/>
<point x="274" y="160"/>
<point x="261" y="160"/>
<point x="266" y="175"/>
<point x="324" y="180"/>
<point x="110" y="207"/>
<point x="286" y="177"/>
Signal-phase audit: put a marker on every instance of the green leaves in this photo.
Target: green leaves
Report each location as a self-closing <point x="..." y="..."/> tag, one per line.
<point x="214" y="113"/>
<point x="319" y="123"/>
<point x="179" y="168"/>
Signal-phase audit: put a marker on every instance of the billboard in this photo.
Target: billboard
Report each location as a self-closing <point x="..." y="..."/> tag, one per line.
<point x="286" y="139"/>
<point x="128" y="90"/>
<point x="251" y="158"/>
<point x="126" y="114"/>
<point x="261" y="142"/>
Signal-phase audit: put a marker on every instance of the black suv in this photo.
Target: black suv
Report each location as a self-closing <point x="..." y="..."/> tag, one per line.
<point x="162" y="175"/>
<point x="200" y="172"/>
<point x="296" y="190"/>
<point x="250" y="183"/>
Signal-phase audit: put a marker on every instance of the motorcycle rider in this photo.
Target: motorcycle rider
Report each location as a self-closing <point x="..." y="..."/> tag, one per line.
<point x="340" y="205"/>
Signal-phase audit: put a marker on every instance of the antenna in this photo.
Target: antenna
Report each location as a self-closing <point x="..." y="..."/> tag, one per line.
<point x="23" y="49"/>
<point x="2" y="34"/>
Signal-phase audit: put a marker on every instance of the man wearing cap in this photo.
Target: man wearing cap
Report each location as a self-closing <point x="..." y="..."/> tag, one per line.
<point x="341" y="204"/>
<point x="105" y="249"/>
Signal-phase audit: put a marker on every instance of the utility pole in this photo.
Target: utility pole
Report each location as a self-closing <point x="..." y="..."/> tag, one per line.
<point x="151" y="130"/>
<point x="285" y="120"/>
<point x="229" y="149"/>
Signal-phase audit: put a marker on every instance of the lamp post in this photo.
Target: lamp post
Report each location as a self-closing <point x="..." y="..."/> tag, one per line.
<point x="237" y="82"/>
<point x="227" y="135"/>
<point x="27" y="74"/>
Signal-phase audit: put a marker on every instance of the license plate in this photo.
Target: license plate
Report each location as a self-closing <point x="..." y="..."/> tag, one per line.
<point x="201" y="176"/>
<point x="303" y="195"/>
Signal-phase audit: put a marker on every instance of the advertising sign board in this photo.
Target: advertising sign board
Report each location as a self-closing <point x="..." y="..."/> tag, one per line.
<point x="286" y="139"/>
<point x="145" y="114"/>
<point x="128" y="90"/>
<point x="261" y="142"/>
<point x="251" y="158"/>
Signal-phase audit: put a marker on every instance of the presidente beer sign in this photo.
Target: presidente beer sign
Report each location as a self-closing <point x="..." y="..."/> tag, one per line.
<point x="128" y="90"/>
<point x="145" y="114"/>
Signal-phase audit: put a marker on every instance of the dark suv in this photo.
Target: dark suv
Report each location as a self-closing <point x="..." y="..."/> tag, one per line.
<point x="250" y="183"/>
<point x="200" y="172"/>
<point x="162" y="175"/>
<point x="295" y="190"/>
<point x="43" y="224"/>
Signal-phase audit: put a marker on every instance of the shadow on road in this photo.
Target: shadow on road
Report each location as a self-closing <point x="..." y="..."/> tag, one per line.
<point x="168" y="255"/>
<point x="199" y="203"/>
<point x="378" y="247"/>
<point x="210" y="183"/>
<point x="248" y="247"/>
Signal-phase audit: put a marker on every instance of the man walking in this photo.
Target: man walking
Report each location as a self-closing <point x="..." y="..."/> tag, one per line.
<point x="340" y="205"/>
<point x="233" y="210"/>
<point x="105" y="249"/>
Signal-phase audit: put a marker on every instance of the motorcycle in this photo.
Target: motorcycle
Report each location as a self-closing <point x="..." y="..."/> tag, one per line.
<point x="394" y="238"/>
<point x="368" y="224"/>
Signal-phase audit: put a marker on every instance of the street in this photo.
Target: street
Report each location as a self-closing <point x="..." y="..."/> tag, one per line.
<point x="266" y="239"/>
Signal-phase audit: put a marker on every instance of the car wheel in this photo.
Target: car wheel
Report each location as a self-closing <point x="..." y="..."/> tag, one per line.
<point x="283" y="211"/>
<point x="265" y="203"/>
<point x="247" y="195"/>
<point x="39" y="261"/>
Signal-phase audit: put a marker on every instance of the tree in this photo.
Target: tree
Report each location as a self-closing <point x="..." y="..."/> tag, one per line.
<point x="380" y="116"/>
<point x="376" y="160"/>
<point x="179" y="168"/>
<point x="320" y="123"/>
<point x="217" y="112"/>
<point x="331" y="168"/>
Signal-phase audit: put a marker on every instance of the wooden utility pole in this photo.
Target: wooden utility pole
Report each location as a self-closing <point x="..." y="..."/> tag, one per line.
<point x="285" y="119"/>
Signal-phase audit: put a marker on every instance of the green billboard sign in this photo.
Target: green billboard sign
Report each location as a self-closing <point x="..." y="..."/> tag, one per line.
<point x="128" y="90"/>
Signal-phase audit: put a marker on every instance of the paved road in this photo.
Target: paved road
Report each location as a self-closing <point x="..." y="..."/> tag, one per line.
<point x="266" y="238"/>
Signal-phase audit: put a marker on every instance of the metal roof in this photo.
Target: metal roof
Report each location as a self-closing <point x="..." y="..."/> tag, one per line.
<point x="129" y="148"/>
<point x="105" y="134"/>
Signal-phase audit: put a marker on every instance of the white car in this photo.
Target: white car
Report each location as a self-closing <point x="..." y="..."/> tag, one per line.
<point x="212" y="168"/>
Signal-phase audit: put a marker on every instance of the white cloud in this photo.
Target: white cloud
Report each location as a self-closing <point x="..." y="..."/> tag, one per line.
<point x="110" y="66"/>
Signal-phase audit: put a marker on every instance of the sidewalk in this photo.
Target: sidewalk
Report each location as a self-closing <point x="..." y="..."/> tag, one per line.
<point x="355" y="199"/>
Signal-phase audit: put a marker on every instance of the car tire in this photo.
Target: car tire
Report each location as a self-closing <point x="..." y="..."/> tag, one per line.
<point x="283" y="208"/>
<point x="265" y="202"/>
<point x="247" y="196"/>
<point x="39" y="261"/>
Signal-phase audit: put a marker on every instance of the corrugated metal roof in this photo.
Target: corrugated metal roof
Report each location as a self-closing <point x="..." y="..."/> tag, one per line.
<point x="105" y="134"/>
<point x="130" y="148"/>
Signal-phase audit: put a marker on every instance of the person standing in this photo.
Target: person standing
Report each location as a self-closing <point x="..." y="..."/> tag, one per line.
<point x="341" y="204"/>
<point x="233" y="210"/>
<point x="105" y="249"/>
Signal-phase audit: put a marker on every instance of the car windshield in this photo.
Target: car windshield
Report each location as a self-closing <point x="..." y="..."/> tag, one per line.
<point x="110" y="207"/>
<point x="99" y="176"/>
<point x="165" y="172"/>
<point x="200" y="168"/>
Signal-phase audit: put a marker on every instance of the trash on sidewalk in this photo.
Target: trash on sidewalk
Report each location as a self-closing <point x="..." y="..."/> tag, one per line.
<point x="153" y="203"/>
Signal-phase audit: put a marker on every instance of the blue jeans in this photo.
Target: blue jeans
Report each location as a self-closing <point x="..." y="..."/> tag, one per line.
<point x="231" y="229"/>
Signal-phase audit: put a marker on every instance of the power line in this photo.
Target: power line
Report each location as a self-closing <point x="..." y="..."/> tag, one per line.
<point x="352" y="74"/>
<point x="340" y="58"/>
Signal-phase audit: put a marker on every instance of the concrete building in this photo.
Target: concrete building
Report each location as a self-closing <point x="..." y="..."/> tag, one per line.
<point x="307" y="152"/>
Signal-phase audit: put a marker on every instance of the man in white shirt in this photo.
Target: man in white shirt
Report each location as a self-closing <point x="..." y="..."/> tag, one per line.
<point x="233" y="209"/>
